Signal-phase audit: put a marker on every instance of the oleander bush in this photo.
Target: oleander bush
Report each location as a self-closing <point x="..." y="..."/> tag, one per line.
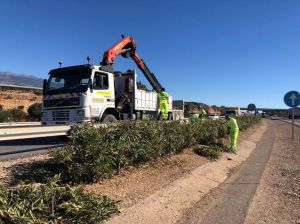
<point x="245" y="122"/>
<point x="96" y="152"/>
<point x="52" y="203"/>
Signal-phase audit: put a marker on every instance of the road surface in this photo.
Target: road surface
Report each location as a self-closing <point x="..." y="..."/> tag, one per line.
<point x="28" y="144"/>
<point x="278" y="197"/>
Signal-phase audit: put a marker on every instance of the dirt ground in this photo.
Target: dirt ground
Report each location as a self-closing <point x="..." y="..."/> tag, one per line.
<point x="12" y="98"/>
<point x="277" y="199"/>
<point x="7" y="167"/>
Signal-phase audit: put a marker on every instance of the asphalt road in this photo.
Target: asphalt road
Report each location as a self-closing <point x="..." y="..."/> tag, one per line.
<point x="296" y="121"/>
<point x="36" y="145"/>
<point x="228" y="203"/>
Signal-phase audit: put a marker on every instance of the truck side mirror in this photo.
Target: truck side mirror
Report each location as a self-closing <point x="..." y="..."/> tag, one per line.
<point x="44" y="85"/>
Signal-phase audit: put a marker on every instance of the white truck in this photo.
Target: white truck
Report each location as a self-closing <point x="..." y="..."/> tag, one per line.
<point x="88" y="92"/>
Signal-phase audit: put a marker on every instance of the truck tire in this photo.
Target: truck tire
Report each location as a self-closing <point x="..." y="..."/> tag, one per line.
<point x="170" y="117"/>
<point x="108" y="118"/>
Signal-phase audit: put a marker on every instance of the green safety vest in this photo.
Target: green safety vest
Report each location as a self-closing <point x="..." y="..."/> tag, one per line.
<point x="194" y="117"/>
<point x="202" y="113"/>
<point x="232" y="123"/>
<point x="163" y="96"/>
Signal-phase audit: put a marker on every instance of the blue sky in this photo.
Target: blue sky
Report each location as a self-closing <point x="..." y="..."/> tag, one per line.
<point x="223" y="52"/>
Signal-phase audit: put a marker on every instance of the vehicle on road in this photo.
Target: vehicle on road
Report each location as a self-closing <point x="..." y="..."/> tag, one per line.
<point x="274" y="117"/>
<point x="89" y="92"/>
<point x="232" y="111"/>
<point x="213" y="116"/>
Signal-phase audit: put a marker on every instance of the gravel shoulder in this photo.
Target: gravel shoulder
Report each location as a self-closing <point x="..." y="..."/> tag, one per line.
<point x="277" y="199"/>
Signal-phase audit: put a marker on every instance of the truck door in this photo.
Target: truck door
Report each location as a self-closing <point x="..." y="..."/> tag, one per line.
<point x="103" y="95"/>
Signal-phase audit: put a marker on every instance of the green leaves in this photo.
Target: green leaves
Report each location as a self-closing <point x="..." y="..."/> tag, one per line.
<point x="52" y="203"/>
<point x="96" y="152"/>
<point x="211" y="152"/>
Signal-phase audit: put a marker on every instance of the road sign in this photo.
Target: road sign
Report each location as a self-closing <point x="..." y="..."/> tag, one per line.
<point x="292" y="99"/>
<point x="251" y="107"/>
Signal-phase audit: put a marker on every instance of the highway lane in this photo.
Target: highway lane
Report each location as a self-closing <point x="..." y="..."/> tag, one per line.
<point x="35" y="145"/>
<point x="296" y="121"/>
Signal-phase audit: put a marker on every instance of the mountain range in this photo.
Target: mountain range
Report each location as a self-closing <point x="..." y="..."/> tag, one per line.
<point x="10" y="78"/>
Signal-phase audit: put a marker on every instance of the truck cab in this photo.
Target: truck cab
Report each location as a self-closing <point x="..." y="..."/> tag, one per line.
<point x="88" y="93"/>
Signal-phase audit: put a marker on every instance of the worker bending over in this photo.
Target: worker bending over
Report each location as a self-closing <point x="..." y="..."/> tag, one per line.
<point x="202" y="113"/>
<point x="234" y="131"/>
<point x="163" y="103"/>
<point x="194" y="115"/>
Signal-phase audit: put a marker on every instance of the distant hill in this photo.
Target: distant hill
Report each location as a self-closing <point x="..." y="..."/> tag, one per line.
<point x="9" y="78"/>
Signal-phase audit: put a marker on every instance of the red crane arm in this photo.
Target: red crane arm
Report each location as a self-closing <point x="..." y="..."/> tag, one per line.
<point x="126" y="47"/>
<point x="123" y="46"/>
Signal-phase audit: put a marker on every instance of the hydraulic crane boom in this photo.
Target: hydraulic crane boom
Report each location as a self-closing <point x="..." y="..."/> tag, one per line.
<point x="127" y="48"/>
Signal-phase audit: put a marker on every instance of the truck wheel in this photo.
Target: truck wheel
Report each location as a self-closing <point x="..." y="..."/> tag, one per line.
<point x="170" y="117"/>
<point x="108" y="118"/>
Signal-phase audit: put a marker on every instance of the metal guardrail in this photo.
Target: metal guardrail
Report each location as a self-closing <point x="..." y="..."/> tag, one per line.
<point x="14" y="133"/>
<point x="12" y="152"/>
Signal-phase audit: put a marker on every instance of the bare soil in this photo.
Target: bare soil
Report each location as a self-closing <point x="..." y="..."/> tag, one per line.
<point x="13" y="98"/>
<point x="8" y="167"/>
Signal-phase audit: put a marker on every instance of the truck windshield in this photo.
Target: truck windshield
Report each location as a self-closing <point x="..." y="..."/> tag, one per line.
<point x="68" y="81"/>
<point x="230" y="112"/>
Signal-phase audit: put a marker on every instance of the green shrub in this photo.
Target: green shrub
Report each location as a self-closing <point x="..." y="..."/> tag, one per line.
<point x="4" y="116"/>
<point x="211" y="152"/>
<point x="16" y="114"/>
<point x="245" y="122"/>
<point x="52" y="203"/>
<point x="34" y="111"/>
<point x="96" y="152"/>
<point x="20" y="107"/>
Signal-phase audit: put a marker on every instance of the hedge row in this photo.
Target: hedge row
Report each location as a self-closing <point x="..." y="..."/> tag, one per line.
<point x="99" y="151"/>
<point x="96" y="152"/>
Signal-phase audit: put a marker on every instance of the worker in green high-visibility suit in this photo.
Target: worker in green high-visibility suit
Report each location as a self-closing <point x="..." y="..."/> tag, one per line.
<point x="163" y="103"/>
<point x="202" y="114"/>
<point x="234" y="132"/>
<point x="194" y="115"/>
